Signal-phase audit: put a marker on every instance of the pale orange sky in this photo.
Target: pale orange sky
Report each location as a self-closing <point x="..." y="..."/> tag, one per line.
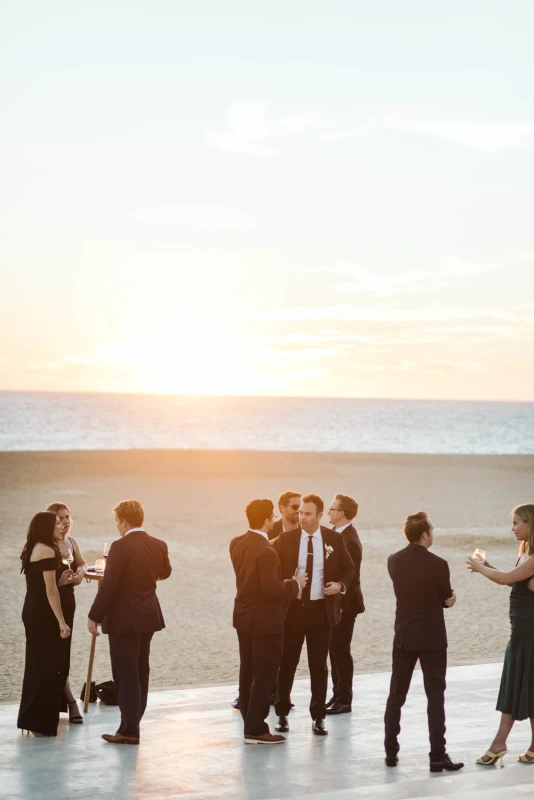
<point x="194" y="205"/>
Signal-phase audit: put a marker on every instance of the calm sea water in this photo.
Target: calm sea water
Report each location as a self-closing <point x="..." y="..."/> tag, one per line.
<point x="46" y="421"/>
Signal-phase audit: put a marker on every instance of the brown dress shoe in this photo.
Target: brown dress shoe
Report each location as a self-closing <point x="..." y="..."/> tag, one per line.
<point x="265" y="738"/>
<point x="118" y="738"/>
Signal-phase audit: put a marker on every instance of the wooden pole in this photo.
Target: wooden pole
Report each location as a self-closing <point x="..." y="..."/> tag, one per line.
<point x="90" y="667"/>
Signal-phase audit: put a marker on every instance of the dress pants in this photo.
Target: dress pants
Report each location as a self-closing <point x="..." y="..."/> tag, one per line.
<point x="260" y="658"/>
<point x="341" y="659"/>
<point x="305" y="622"/>
<point x="434" y="668"/>
<point x="130" y="666"/>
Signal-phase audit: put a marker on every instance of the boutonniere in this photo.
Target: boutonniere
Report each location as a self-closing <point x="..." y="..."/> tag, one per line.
<point x="328" y="550"/>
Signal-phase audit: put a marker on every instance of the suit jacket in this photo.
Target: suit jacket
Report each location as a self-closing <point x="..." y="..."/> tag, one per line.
<point x="421" y="581"/>
<point x="262" y="598"/>
<point x="338" y="566"/>
<point x="278" y="528"/>
<point x="352" y="602"/>
<point x="127" y="602"/>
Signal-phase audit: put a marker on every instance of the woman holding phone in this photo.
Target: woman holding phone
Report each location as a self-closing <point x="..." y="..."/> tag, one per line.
<point x="516" y="694"/>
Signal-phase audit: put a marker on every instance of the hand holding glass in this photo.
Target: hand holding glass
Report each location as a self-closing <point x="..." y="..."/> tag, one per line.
<point x="479" y="554"/>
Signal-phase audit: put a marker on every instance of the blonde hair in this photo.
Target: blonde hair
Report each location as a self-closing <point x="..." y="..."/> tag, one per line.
<point x="131" y="511"/>
<point x="526" y="514"/>
<point x="57" y="507"/>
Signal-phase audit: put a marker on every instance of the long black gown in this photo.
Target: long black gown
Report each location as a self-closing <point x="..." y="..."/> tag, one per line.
<point x="47" y="654"/>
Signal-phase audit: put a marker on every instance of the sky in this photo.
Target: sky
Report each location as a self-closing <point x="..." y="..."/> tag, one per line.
<point x="292" y="197"/>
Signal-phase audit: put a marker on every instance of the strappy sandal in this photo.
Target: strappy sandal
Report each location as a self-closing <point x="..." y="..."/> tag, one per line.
<point x="492" y="758"/>
<point x="527" y="758"/>
<point x="77" y="719"/>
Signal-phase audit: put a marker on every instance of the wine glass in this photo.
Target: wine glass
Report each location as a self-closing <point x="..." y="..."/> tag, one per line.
<point x="479" y="554"/>
<point x="106" y="549"/>
<point x="67" y="558"/>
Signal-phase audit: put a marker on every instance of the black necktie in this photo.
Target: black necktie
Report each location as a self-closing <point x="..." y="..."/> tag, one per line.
<point x="309" y="570"/>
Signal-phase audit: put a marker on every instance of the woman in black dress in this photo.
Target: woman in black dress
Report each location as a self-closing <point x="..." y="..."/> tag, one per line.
<point x="47" y="633"/>
<point x="516" y="694"/>
<point x="78" y="568"/>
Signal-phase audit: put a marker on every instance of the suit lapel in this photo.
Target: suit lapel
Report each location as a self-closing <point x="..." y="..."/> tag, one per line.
<point x="327" y="564"/>
<point x="293" y="550"/>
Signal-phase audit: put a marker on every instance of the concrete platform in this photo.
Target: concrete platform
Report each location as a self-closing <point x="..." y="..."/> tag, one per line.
<point x="192" y="748"/>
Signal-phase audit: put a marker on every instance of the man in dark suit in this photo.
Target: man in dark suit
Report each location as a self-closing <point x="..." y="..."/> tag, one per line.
<point x="322" y="554"/>
<point x="422" y="587"/>
<point x="288" y="505"/>
<point x="129" y="611"/>
<point x="342" y="511"/>
<point x="259" y="611"/>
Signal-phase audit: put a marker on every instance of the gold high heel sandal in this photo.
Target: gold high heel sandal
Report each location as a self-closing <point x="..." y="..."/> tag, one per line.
<point x="492" y="758"/>
<point x="527" y="758"/>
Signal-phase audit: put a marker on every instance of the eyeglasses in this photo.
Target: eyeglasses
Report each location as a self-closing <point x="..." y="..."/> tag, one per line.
<point x="295" y="507"/>
<point x="334" y="509"/>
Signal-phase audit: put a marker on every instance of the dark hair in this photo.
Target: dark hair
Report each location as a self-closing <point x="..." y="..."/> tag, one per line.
<point x="130" y="511"/>
<point x="415" y="525"/>
<point x="316" y="500"/>
<point x="57" y="507"/>
<point x="285" y="497"/>
<point x="41" y="531"/>
<point x="347" y="505"/>
<point x="258" y="511"/>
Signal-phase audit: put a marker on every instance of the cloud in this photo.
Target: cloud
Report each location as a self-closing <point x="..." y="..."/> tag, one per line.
<point x="384" y="313"/>
<point x="248" y="126"/>
<point x="252" y="128"/>
<point x="364" y="281"/>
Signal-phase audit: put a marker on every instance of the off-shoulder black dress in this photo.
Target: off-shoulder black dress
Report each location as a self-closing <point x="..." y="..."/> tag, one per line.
<point x="47" y="654"/>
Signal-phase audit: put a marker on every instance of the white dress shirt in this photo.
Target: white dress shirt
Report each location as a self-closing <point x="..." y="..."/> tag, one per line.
<point x="132" y="530"/>
<point x="342" y="527"/>
<point x="317" y="579"/>
<point x="262" y="533"/>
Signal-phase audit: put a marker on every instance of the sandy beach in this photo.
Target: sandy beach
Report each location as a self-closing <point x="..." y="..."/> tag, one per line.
<point x="195" y="500"/>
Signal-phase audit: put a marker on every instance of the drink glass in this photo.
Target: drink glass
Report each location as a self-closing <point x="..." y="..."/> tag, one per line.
<point x="106" y="549"/>
<point x="100" y="565"/>
<point x="479" y="554"/>
<point x="67" y="558"/>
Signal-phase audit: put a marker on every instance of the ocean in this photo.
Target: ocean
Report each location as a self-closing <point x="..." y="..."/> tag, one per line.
<point x="69" y="421"/>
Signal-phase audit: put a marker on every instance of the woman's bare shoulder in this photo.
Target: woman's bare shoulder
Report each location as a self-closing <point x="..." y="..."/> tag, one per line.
<point x="41" y="551"/>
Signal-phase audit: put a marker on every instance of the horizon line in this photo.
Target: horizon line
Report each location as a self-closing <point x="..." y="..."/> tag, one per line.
<point x="261" y="396"/>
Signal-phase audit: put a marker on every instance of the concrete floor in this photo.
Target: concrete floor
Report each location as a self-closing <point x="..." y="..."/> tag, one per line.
<point x="192" y="748"/>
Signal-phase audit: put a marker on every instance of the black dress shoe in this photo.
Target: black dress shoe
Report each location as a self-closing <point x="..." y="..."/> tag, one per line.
<point x="444" y="763"/>
<point x="330" y="702"/>
<point x="283" y="725"/>
<point x="339" y="708"/>
<point x="391" y="761"/>
<point x="318" y="727"/>
<point x="235" y="704"/>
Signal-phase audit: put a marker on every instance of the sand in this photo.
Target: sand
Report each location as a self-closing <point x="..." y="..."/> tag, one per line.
<point x="195" y="500"/>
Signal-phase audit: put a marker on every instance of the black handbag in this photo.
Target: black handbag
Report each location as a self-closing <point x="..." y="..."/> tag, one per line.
<point x="107" y="693"/>
<point x="92" y="693"/>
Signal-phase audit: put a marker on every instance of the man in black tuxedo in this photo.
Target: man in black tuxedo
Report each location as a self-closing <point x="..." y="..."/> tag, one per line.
<point x="289" y="506"/>
<point x="342" y="511"/>
<point x="259" y="611"/>
<point x="422" y="587"/>
<point x="130" y="613"/>
<point x="322" y="554"/>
